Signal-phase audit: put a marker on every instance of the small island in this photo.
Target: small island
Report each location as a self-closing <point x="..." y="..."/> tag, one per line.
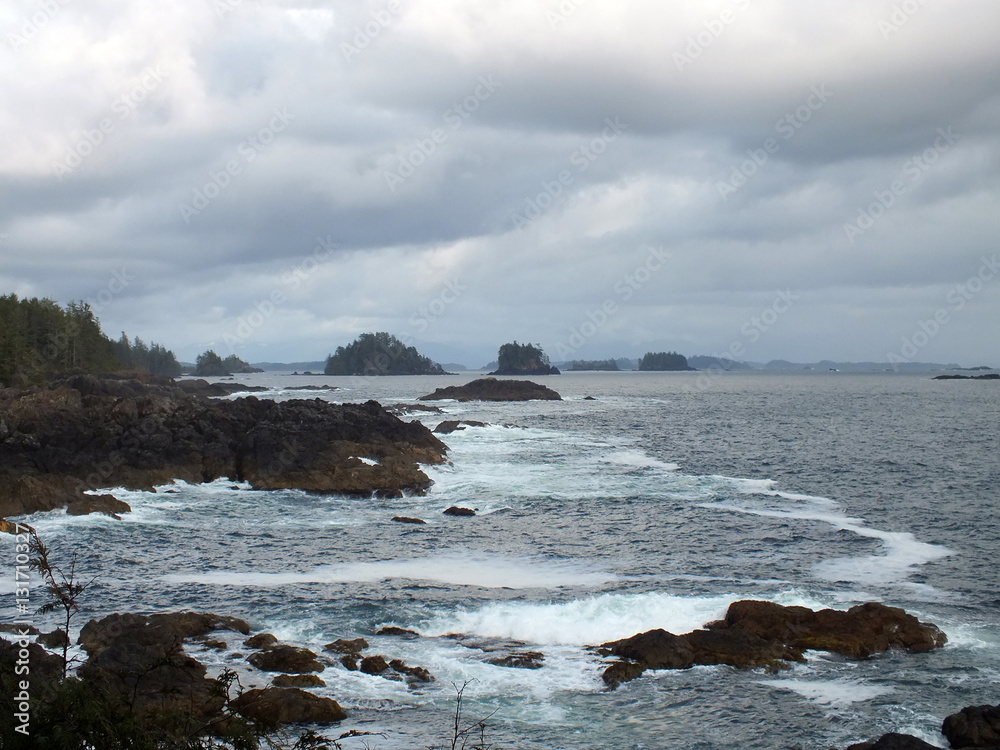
<point x="665" y="362"/>
<point x="209" y="365"/>
<point x="491" y="389"/>
<point x="523" y="359"/>
<point x="379" y="354"/>
<point x="602" y="365"/>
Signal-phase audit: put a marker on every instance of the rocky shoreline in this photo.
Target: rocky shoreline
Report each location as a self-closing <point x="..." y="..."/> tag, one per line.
<point x="85" y="433"/>
<point x="146" y="665"/>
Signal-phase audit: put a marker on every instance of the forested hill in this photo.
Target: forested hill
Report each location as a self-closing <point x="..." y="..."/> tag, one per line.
<point x="39" y="340"/>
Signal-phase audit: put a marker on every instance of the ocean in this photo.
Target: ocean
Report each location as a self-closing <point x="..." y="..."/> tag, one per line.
<point x="655" y="505"/>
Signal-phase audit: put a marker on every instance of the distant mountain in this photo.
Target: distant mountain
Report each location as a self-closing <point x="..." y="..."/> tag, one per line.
<point x="454" y="367"/>
<point x="624" y="363"/>
<point x="291" y="366"/>
<point x="664" y="362"/>
<point x="826" y="365"/>
<point x="703" y="362"/>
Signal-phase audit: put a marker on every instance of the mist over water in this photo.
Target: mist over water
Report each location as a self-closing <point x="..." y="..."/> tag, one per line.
<point x="656" y="505"/>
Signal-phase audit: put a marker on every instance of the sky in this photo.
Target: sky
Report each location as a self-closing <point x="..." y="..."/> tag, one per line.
<point x="747" y="178"/>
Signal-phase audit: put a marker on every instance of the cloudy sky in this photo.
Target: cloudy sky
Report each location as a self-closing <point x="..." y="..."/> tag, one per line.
<point x="273" y="177"/>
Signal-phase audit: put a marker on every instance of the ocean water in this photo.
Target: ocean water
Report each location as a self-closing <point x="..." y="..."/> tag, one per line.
<point x="657" y="504"/>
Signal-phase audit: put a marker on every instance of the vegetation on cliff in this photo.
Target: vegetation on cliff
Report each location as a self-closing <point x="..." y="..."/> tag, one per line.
<point x="40" y="340"/>
<point x="660" y="361"/>
<point x="209" y="364"/>
<point x="523" y="359"/>
<point x="379" y="354"/>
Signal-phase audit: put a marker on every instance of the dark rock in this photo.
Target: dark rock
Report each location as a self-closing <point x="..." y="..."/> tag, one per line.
<point x="261" y="640"/>
<point x="621" y="671"/>
<point x="287" y="659"/>
<point x="520" y="660"/>
<point x="312" y="388"/>
<point x="454" y="510"/>
<point x="85" y="433"/>
<point x="393" y="630"/>
<point x="140" y="660"/>
<point x="212" y="643"/>
<point x="408" y="519"/>
<point x="343" y="646"/>
<point x="491" y="389"/>
<point x="109" y="505"/>
<point x="419" y="674"/>
<point x="20" y="629"/>
<point x="374" y="664"/>
<point x="893" y="741"/>
<point x="452" y="425"/>
<point x="350" y="662"/>
<point x="988" y="376"/>
<point x="298" y="680"/>
<point x="273" y="706"/>
<point x="401" y="409"/>
<point x="975" y="726"/>
<point x="764" y="634"/>
<point x="589" y="398"/>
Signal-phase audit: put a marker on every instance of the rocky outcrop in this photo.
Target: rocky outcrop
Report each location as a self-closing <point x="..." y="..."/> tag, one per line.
<point x="519" y="660"/>
<point x="274" y="706"/>
<point x="453" y="425"/>
<point x="140" y="661"/>
<point x="286" y="659"/>
<point x="347" y="646"/>
<point x="764" y="634"/>
<point x="455" y="510"/>
<point x="988" y="376"/>
<point x="298" y="680"/>
<point x="261" y="640"/>
<point x="975" y="726"/>
<point x="893" y="741"/>
<point x="491" y="389"/>
<point x="402" y="632"/>
<point x="408" y="519"/>
<point x="86" y="432"/>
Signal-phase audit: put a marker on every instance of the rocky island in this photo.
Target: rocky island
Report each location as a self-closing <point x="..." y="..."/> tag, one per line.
<point x="523" y="359"/>
<point x="491" y="389"/>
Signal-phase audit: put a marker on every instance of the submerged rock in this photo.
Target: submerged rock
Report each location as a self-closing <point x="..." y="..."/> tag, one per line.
<point x="394" y="630"/>
<point x="453" y="425"/>
<point x="893" y="741"/>
<point x="520" y="660"/>
<point x="298" y="680"/>
<point x="491" y="389"/>
<point x="455" y="510"/>
<point x="408" y="519"/>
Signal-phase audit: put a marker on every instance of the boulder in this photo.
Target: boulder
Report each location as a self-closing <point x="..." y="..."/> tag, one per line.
<point x="453" y="425"/>
<point x="274" y="706"/>
<point x="519" y="660"/>
<point x="975" y="726"/>
<point x="893" y="741"/>
<point x="109" y="505"/>
<point x="287" y="659"/>
<point x="418" y="674"/>
<point x="261" y="641"/>
<point x="57" y="639"/>
<point x="408" y="519"/>
<point x="374" y="664"/>
<point x="350" y="662"/>
<point x="491" y="389"/>
<point x="455" y="510"/>
<point x="393" y="630"/>
<point x="343" y="646"/>
<point x="298" y="681"/>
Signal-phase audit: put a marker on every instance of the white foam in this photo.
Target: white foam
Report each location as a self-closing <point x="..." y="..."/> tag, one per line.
<point x="831" y="693"/>
<point x="455" y="568"/>
<point x="639" y="460"/>
<point x="366" y="461"/>
<point x="589" y="621"/>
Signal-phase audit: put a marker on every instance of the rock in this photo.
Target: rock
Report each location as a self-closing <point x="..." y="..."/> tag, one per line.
<point x="85" y="432"/>
<point x="46" y="668"/>
<point x="589" y="398"/>
<point x="298" y="681"/>
<point x="491" y="389"/>
<point x="20" y="629"/>
<point x="141" y="661"/>
<point x="350" y="662"/>
<point x="988" y="376"/>
<point x="860" y="632"/>
<point x="342" y="646"/>
<point x="452" y="425"/>
<point x="261" y="641"/>
<point x="393" y="630"/>
<point x="401" y="409"/>
<point x="287" y="659"/>
<point x="764" y="634"/>
<point x="109" y="505"/>
<point x="273" y="706"/>
<point x="455" y="510"/>
<point x="893" y="741"/>
<point x="621" y="671"/>
<point x="212" y="643"/>
<point x="54" y="640"/>
<point x="374" y="665"/>
<point x="975" y="726"/>
<point x="407" y="519"/>
<point x="419" y="674"/>
<point x="520" y="660"/>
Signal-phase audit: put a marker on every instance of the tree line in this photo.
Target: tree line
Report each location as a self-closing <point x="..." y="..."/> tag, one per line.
<point x="40" y="340"/>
